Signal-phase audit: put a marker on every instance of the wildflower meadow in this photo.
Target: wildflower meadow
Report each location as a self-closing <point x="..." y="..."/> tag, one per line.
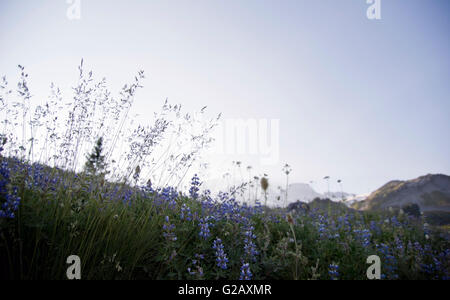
<point x="78" y="177"/>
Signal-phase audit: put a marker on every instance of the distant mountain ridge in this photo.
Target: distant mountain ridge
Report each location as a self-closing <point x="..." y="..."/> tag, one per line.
<point x="431" y="193"/>
<point x="303" y="192"/>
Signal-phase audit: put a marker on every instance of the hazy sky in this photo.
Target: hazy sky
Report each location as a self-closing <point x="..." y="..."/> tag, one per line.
<point x="366" y="101"/>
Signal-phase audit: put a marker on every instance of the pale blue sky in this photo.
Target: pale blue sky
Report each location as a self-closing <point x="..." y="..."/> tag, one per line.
<point x="365" y="101"/>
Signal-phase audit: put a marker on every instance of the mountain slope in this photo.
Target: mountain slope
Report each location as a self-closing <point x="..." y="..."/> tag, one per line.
<point x="429" y="192"/>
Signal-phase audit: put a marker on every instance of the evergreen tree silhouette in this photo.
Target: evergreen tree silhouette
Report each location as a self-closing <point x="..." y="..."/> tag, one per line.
<point x="95" y="164"/>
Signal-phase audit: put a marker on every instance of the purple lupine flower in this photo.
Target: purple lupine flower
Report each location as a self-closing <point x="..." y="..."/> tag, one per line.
<point x="204" y="228"/>
<point x="221" y="257"/>
<point x="12" y="201"/>
<point x="168" y="230"/>
<point x="185" y="213"/>
<point x="245" y="274"/>
<point x="333" y="271"/>
<point x="195" y="187"/>
<point x="249" y="246"/>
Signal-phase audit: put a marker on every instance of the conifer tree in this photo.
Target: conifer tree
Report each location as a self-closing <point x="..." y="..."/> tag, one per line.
<point x="95" y="164"/>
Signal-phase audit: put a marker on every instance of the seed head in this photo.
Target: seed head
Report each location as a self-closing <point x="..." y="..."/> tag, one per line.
<point x="264" y="183"/>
